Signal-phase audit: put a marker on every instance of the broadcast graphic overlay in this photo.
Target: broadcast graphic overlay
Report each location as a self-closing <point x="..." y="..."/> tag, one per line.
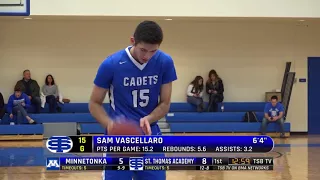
<point x="14" y="7"/>
<point x="160" y="163"/>
<point x="162" y="144"/>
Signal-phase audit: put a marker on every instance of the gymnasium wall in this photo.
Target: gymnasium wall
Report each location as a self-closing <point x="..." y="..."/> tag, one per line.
<point x="249" y="55"/>
<point x="178" y="8"/>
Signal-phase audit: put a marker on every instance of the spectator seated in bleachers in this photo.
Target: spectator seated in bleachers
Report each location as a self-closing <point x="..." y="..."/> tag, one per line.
<point x="195" y="93"/>
<point x="215" y="89"/>
<point x="31" y="88"/>
<point x="51" y="92"/>
<point x="17" y="105"/>
<point x="273" y="112"/>
<point x="2" y="107"/>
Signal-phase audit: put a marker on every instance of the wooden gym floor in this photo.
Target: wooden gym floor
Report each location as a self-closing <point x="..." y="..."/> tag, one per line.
<point x="296" y="158"/>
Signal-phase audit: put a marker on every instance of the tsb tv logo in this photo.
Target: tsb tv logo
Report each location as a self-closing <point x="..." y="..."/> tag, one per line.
<point x="59" y="144"/>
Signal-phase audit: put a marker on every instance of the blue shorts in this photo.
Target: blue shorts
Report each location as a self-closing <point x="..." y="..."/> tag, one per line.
<point x="138" y="175"/>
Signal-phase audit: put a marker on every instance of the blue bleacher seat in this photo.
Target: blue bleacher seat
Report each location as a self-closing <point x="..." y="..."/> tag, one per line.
<point x="57" y="118"/>
<point x="64" y="117"/>
<point x="228" y="107"/>
<point x="243" y="106"/>
<point x="208" y="117"/>
<point x="223" y="127"/>
<point x="70" y="108"/>
<point x="21" y="129"/>
<point x="217" y="127"/>
<point x="182" y="118"/>
<point x="174" y="107"/>
<point x="92" y="128"/>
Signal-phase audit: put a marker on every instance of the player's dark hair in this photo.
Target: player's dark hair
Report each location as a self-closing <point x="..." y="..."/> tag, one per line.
<point x="47" y="82"/>
<point x="274" y="97"/>
<point x="197" y="87"/>
<point x="148" y="32"/>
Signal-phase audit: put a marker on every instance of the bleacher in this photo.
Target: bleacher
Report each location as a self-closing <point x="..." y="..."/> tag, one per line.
<point x="181" y="119"/>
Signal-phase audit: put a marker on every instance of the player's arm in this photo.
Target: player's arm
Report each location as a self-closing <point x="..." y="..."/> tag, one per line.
<point x="102" y="83"/>
<point x="165" y="93"/>
<point x="164" y="105"/>
<point x="96" y="106"/>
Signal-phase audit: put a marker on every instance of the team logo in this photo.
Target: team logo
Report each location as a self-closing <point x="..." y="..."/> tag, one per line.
<point x="59" y="144"/>
<point x="53" y="164"/>
<point x="136" y="164"/>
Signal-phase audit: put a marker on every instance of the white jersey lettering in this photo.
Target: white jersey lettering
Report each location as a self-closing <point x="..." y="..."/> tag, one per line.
<point x="140" y="81"/>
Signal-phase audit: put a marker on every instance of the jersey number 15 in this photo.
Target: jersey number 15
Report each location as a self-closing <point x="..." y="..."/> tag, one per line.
<point x="140" y="97"/>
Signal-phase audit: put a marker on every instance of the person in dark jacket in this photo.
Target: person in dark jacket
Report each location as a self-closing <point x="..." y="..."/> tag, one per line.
<point x="31" y="88"/>
<point x="18" y="104"/>
<point x="215" y="90"/>
<point x="2" y="106"/>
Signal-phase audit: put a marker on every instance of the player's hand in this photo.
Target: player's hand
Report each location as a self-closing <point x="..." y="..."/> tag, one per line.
<point x="109" y="126"/>
<point x="145" y="125"/>
<point x="275" y="118"/>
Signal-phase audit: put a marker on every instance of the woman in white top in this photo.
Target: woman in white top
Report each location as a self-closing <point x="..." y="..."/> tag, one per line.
<point x="50" y="90"/>
<point x="195" y="93"/>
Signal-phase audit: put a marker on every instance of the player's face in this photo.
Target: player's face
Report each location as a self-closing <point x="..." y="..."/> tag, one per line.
<point x="200" y="81"/>
<point x="17" y="94"/>
<point x="143" y="52"/>
<point x="274" y="102"/>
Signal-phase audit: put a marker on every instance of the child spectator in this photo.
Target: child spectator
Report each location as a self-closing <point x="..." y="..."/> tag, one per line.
<point x="195" y="92"/>
<point x="18" y="104"/>
<point x="51" y="92"/>
<point x="215" y="89"/>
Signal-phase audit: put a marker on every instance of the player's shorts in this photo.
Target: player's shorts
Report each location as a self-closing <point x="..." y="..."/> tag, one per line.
<point x="137" y="175"/>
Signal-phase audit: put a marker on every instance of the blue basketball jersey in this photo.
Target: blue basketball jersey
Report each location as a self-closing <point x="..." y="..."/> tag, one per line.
<point x="134" y="89"/>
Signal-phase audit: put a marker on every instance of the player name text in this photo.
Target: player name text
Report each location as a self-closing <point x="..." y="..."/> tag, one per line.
<point x="130" y="140"/>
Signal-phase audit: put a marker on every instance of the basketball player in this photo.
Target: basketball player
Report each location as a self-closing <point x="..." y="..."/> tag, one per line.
<point x="134" y="77"/>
